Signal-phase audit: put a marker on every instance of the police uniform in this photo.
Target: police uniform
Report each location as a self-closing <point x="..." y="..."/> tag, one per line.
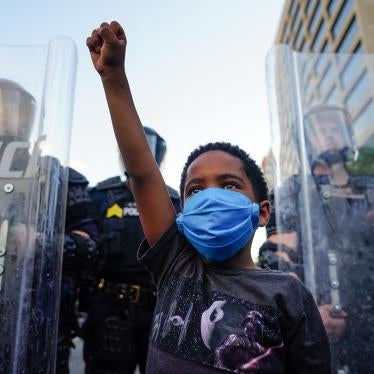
<point x="119" y="318"/>
<point x="32" y="219"/>
<point x="346" y="232"/>
<point x="268" y="252"/>
<point x="79" y="262"/>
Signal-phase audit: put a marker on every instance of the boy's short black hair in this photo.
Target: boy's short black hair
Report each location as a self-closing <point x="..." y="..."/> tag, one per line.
<point x="252" y="170"/>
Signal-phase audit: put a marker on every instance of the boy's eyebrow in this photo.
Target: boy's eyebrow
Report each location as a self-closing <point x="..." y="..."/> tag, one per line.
<point x="194" y="180"/>
<point x="219" y="177"/>
<point x="229" y="175"/>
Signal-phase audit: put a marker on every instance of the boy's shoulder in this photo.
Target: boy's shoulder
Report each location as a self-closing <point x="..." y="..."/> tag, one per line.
<point x="279" y="276"/>
<point x="296" y="295"/>
<point x="279" y="283"/>
<point x="263" y="286"/>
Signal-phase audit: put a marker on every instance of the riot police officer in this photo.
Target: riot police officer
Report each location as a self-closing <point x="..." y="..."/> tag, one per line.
<point x="17" y="108"/>
<point x="80" y="259"/>
<point x="29" y="257"/>
<point x="325" y="219"/>
<point x="31" y="225"/>
<point x="119" y="318"/>
<point x="279" y="251"/>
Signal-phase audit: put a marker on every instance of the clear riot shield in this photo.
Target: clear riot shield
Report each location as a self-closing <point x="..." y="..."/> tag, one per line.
<point x="322" y="119"/>
<point x="36" y="97"/>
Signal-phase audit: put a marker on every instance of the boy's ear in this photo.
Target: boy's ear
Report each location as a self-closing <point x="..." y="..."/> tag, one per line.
<point x="264" y="214"/>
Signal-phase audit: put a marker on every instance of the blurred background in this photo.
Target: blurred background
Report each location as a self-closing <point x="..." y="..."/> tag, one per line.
<point x="197" y="69"/>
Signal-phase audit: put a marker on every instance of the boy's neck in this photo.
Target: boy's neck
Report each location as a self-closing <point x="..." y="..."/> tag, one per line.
<point x="242" y="260"/>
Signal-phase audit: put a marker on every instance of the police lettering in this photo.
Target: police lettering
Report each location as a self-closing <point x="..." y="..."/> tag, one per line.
<point x="130" y="211"/>
<point x="9" y="154"/>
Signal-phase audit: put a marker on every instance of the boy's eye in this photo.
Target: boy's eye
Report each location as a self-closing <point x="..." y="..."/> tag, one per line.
<point x="231" y="186"/>
<point x="193" y="191"/>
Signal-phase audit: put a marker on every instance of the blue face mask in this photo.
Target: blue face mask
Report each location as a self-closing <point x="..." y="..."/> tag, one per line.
<point x="218" y="222"/>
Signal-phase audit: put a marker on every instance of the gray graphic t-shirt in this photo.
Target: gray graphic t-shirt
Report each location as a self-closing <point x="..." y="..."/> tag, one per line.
<point x="211" y="319"/>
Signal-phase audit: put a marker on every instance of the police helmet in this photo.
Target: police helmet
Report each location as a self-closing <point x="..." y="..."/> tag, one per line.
<point x="17" y="110"/>
<point x="156" y="143"/>
<point x="328" y="134"/>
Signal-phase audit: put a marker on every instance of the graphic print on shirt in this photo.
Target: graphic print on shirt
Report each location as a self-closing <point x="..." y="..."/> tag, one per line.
<point x="216" y="329"/>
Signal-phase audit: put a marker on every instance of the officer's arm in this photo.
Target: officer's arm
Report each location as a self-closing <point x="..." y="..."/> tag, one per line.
<point x="278" y="252"/>
<point x="82" y="233"/>
<point x="107" y="47"/>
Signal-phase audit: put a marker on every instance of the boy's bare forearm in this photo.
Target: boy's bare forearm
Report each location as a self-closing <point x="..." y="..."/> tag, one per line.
<point x="107" y="46"/>
<point x="147" y="183"/>
<point x="128" y="129"/>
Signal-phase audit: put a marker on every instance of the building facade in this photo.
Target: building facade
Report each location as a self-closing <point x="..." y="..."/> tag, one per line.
<point x="340" y="35"/>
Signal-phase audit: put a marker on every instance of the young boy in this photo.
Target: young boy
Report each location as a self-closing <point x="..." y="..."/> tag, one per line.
<point x="216" y="311"/>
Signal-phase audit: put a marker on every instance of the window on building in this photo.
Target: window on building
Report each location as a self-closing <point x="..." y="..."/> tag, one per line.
<point x="304" y="46"/>
<point x="359" y="48"/>
<point x="315" y="18"/>
<point x="348" y="37"/>
<point x="353" y="66"/>
<point x="298" y="36"/>
<point x="309" y="6"/>
<point x="322" y="58"/>
<point x="305" y="69"/>
<point x="331" y="7"/>
<point x="321" y="63"/>
<point x="332" y="97"/>
<point x="296" y="19"/>
<point x="283" y="35"/>
<point x="341" y="18"/>
<point x="292" y="5"/>
<point x="326" y="81"/>
<point x="313" y="102"/>
<point x="318" y="38"/>
<point x="310" y="102"/>
<point x="326" y="47"/>
<point x="308" y="89"/>
<point x="363" y="124"/>
<point x="358" y="94"/>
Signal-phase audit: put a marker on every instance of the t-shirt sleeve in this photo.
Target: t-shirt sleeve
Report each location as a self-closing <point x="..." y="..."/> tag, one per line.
<point x="165" y="256"/>
<point x="308" y="345"/>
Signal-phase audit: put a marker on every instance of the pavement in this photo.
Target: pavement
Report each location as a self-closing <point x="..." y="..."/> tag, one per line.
<point x="76" y="363"/>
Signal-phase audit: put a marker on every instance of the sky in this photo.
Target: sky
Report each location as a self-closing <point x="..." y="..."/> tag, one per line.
<point x="196" y="69"/>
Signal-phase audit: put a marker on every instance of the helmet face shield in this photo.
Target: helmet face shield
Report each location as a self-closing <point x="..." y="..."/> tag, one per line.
<point x="328" y="133"/>
<point x="152" y="142"/>
<point x="156" y="144"/>
<point x="17" y="111"/>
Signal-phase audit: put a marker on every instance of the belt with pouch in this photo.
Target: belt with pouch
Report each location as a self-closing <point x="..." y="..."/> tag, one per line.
<point x="132" y="293"/>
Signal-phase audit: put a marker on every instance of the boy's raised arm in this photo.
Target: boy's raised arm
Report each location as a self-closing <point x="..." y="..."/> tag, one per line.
<point x="107" y="46"/>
